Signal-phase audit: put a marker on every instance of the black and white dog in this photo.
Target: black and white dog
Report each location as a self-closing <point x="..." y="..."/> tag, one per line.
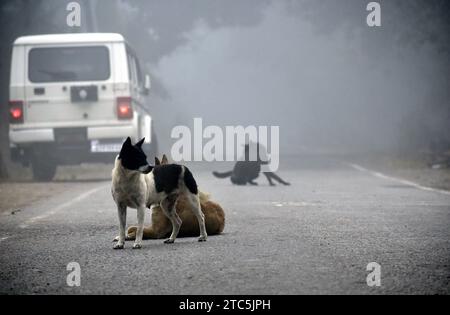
<point x="138" y="185"/>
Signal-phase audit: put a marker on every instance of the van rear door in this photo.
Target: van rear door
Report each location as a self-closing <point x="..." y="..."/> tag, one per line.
<point x="69" y="84"/>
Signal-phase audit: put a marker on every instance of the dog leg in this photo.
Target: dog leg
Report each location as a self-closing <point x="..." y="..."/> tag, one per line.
<point x="150" y="233"/>
<point x="276" y="177"/>
<point x="130" y="235"/>
<point x="140" y="227"/>
<point x="169" y="209"/>
<point x="196" y="209"/>
<point x="269" y="178"/>
<point x="122" y="212"/>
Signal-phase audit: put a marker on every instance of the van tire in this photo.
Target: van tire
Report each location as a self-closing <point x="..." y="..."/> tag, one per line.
<point x="43" y="169"/>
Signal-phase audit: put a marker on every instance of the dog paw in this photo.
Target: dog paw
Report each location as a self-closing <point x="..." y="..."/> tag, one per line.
<point x="118" y="246"/>
<point x="116" y="239"/>
<point x="202" y="239"/>
<point x="137" y="246"/>
<point x="169" y="241"/>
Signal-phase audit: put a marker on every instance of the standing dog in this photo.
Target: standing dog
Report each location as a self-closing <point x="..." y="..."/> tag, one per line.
<point x="160" y="225"/>
<point x="138" y="185"/>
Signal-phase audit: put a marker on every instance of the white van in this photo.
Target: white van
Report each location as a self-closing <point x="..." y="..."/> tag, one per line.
<point x="74" y="98"/>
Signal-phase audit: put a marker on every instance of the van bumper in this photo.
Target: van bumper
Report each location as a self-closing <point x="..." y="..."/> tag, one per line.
<point x="18" y="136"/>
<point x="29" y="136"/>
<point x="88" y="144"/>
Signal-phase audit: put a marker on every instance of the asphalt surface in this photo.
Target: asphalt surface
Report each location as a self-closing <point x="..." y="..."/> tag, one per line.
<point x="314" y="237"/>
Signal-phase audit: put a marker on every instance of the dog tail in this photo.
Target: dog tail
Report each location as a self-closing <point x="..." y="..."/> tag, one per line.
<point x="223" y="175"/>
<point x="190" y="182"/>
<point x="204" y="197"/>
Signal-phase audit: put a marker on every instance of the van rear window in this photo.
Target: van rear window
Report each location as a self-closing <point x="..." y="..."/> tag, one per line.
<point x="64" y="64"/>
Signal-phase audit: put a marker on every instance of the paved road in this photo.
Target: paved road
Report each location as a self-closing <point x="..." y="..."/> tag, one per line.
<point x="316" y="236"/>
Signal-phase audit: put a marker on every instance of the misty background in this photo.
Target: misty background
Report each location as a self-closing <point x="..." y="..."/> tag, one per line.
<point x="314" y="68"/>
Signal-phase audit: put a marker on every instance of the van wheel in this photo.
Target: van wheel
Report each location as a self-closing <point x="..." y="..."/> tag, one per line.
<point x="43" y="168"/>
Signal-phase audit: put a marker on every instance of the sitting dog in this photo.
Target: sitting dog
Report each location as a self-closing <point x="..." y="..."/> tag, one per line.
<point x="160" y="225"/>
<point x="245" y="172"/>
<point x="138" y="185"/>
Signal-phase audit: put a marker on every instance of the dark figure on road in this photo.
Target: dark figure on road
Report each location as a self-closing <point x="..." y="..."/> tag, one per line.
<point x="247" y="171"/>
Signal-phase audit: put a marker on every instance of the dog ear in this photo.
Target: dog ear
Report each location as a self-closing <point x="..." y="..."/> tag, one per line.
<point x="157" y="162"/>
<point x="127" y="142"/>
<point x="164" y="160"/>
<point x="139" y="144"/>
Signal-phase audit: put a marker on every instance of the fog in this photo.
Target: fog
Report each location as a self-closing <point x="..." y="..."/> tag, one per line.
<point x="323" y="90"/>
<point x="354" y="199"/>
<point x="313" y="68"/>
<point x="344" y="88"/>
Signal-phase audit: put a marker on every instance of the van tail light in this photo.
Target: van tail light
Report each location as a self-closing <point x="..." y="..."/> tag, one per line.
<point x="16" y="112"/>
<point x="124" y="109"/>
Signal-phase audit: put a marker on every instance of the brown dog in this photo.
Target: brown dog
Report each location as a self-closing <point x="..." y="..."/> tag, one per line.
<point x="161" y="226"/>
